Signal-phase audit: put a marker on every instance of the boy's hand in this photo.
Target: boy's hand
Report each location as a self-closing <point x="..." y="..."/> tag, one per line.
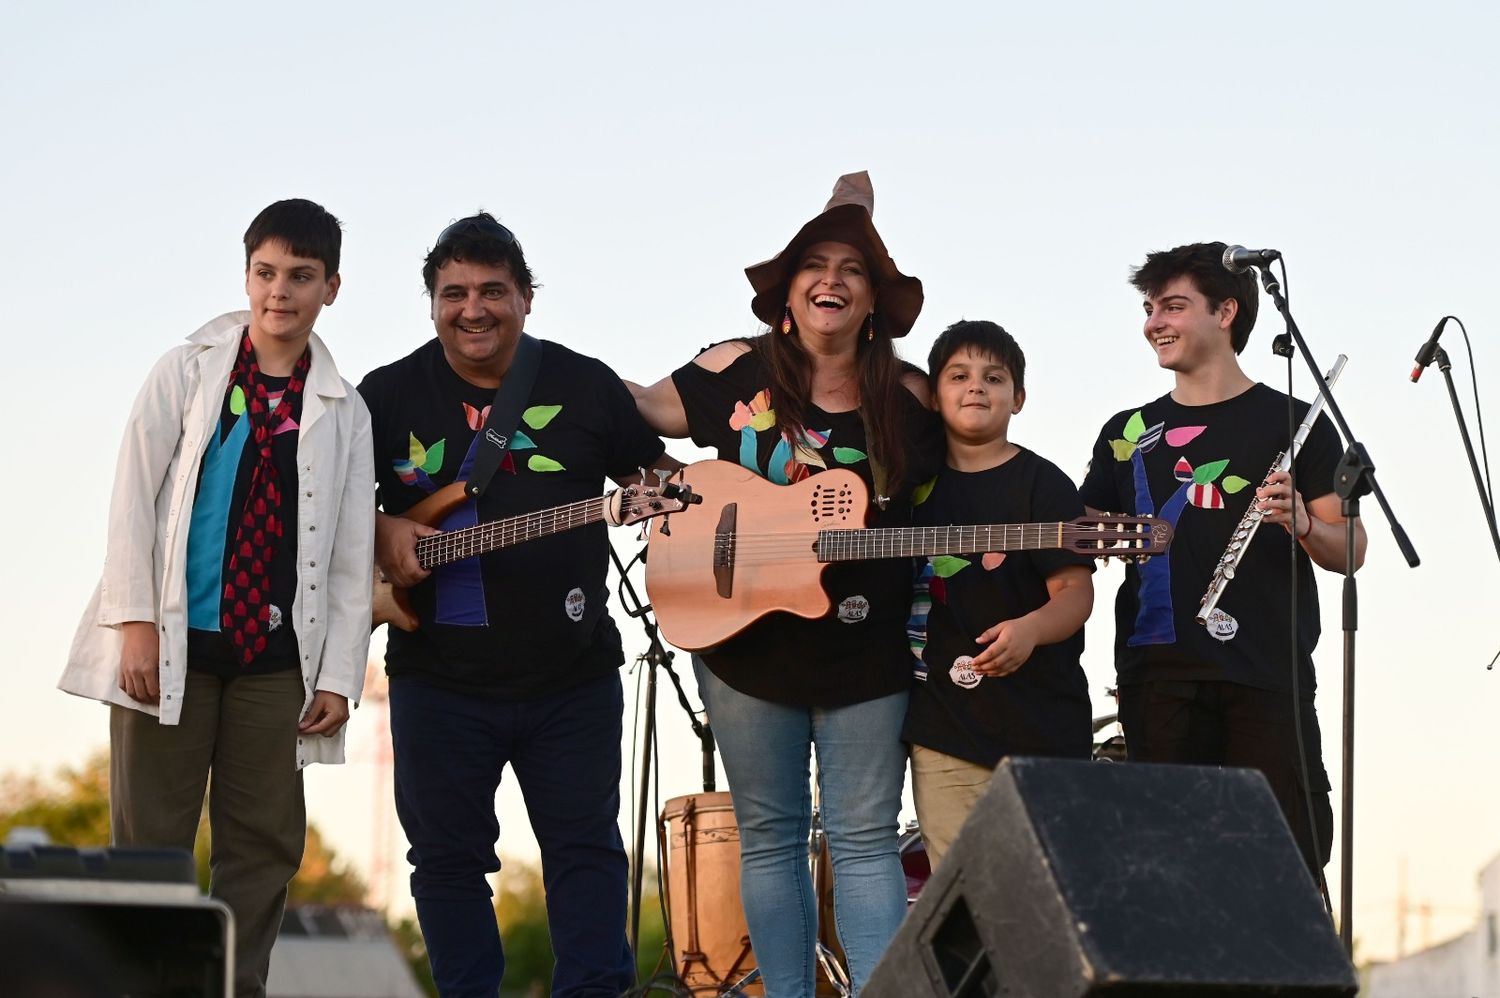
<point x="1277" y="500"/>
<point x="140" y="667"/>
<point x="396" y="549"/>
<point x="1011" y="643"/>
<point x="325" y="715"/>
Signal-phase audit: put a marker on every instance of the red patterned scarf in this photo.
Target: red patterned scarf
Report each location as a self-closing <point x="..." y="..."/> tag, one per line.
<point x="246" y="608"/>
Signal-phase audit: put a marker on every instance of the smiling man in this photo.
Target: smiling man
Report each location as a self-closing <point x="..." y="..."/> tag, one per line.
<point x="1221" y="693"/>
<point x="515" y="660"/>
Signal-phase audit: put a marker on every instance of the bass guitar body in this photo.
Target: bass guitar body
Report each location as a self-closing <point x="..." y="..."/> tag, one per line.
<point x="630" y="504"/>
<point x="746" y="550"/>
<point x="392" y="604"/>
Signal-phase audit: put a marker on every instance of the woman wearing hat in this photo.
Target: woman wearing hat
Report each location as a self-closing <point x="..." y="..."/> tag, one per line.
<point x="822" y="388"/>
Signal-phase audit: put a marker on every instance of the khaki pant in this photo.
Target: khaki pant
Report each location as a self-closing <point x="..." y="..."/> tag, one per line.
<point x="243" y="731"/>
<point x="945" y="789"/>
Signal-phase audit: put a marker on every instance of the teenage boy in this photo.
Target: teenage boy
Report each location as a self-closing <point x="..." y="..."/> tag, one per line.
<point x="515" y="660"/>
<point x="1220" y="694"/>
<point x="997" y="637"/>
<point x="230" y="628"/>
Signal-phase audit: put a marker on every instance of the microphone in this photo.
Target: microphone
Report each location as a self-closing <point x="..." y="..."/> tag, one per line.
<point x="1428" y="353"/>
<point x="1237" y="259"/>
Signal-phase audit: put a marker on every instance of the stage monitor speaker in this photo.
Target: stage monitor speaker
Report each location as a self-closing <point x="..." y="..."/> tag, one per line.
<point x="1074" y="878"/>
<point x="86" y="922"/>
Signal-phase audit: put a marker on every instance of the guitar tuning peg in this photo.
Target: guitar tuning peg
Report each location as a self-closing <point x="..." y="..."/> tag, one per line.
<point x="662" y="474"/>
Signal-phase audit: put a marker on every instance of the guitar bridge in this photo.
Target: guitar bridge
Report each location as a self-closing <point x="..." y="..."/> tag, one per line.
<point x="724" y="539"/>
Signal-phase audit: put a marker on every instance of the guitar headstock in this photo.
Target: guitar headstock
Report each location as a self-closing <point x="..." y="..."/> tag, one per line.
<point x="638" y="502"/>
<point x="1111" y="535"/>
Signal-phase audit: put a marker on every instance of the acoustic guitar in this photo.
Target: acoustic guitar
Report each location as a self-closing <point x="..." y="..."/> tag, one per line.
<point x="753" y="548"/>
<point x="630" y="504"/>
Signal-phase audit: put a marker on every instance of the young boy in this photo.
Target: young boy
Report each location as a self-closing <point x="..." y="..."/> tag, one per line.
<point x="230" y="628"/>
<point x="1221" y="694"/>
<point x="997" y="637"/>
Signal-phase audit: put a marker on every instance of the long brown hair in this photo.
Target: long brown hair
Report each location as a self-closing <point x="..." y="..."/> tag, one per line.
<point x="880" y="391"/>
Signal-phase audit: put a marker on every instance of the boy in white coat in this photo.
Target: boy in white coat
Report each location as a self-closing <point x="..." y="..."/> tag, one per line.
<point x="230" y="628"/>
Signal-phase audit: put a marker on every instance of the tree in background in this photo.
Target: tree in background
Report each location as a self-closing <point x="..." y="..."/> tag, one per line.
<point x="73" y="809"/>
<point x="521" y="907"/>
<point x="409" y="941"/>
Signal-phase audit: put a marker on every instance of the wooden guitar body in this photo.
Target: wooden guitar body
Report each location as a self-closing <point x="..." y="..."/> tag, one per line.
<point x="746" y="550"/>
<point x="392" y="603"/>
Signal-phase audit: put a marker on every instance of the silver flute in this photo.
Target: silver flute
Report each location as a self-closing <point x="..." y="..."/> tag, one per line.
<point x="1244" y="533"/>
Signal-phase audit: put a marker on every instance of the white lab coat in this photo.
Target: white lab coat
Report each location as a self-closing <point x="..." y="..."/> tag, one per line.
<point x="145" y="568"/>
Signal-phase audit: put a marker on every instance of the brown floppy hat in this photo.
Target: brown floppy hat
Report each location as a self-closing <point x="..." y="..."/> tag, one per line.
<point x="848" y="218"/>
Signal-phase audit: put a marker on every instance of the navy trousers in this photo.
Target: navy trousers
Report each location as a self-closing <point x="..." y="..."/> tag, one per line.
<point x="565" y="752"/>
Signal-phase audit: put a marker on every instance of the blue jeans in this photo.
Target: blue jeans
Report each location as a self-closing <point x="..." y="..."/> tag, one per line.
<point x="861" y="767"/>
<point x="565" y="752"/>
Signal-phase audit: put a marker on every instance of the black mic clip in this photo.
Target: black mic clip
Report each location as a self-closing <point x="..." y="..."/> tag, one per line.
<point x="1429" y="351"/>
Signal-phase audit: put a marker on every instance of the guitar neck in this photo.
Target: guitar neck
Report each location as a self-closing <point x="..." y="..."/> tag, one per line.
<point x="909" y="542"/>
<point x="466" y="542"/>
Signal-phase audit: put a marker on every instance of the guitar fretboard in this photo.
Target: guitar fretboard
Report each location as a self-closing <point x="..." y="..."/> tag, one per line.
<point x="454" y="545"/>
<point x="907" y="542"/>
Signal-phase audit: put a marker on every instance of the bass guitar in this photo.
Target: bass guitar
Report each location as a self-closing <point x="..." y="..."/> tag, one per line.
<point x="630" y="504"/>
<point x="756" y="548"/>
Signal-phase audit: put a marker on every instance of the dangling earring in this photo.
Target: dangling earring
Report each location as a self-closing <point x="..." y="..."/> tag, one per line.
<point x="870" y="327"/>
<point x="786" y="321"/>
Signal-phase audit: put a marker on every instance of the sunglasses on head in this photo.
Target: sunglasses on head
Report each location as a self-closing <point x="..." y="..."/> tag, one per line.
<point x="486" y="227"/>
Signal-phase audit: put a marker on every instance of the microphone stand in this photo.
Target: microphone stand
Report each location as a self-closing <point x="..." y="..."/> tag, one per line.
<point x="655" y="655"/>
<point x="1354" y="477"/>
<point x="1446" y="366"/>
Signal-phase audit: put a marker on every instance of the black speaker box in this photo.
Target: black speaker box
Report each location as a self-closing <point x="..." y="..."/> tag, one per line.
<point x="1075" y="878"/>
<point x="110" y="922"/>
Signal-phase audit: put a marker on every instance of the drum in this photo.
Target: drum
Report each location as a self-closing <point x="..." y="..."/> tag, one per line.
<point x="914" y="862"/>
<point x="700" y="849"/>
<point x="914" y="866"/>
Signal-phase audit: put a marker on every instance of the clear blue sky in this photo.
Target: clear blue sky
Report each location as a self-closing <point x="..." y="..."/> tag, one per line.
<point x="1023" y="161"/>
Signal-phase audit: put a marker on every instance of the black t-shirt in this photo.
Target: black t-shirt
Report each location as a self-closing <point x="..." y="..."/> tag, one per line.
<point x="1043" y="707"/>
<point x="857" y="651"/>
<point x="527" y="620"/>
<point x="224" y="476"/>
<point x="1198" y="467"/>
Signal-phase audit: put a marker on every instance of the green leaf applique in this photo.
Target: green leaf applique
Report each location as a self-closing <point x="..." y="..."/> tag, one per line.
<point x="945" y="565"/>
<point x="538" y="416"/>
<point x="921" y="492"/>
<point x="1205" y="473"/>
<point x="434" y="462"/>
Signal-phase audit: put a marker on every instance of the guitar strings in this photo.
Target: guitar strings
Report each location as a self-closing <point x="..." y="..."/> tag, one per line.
<point x="465" y="542"/>
<point x="856" y="543"/>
